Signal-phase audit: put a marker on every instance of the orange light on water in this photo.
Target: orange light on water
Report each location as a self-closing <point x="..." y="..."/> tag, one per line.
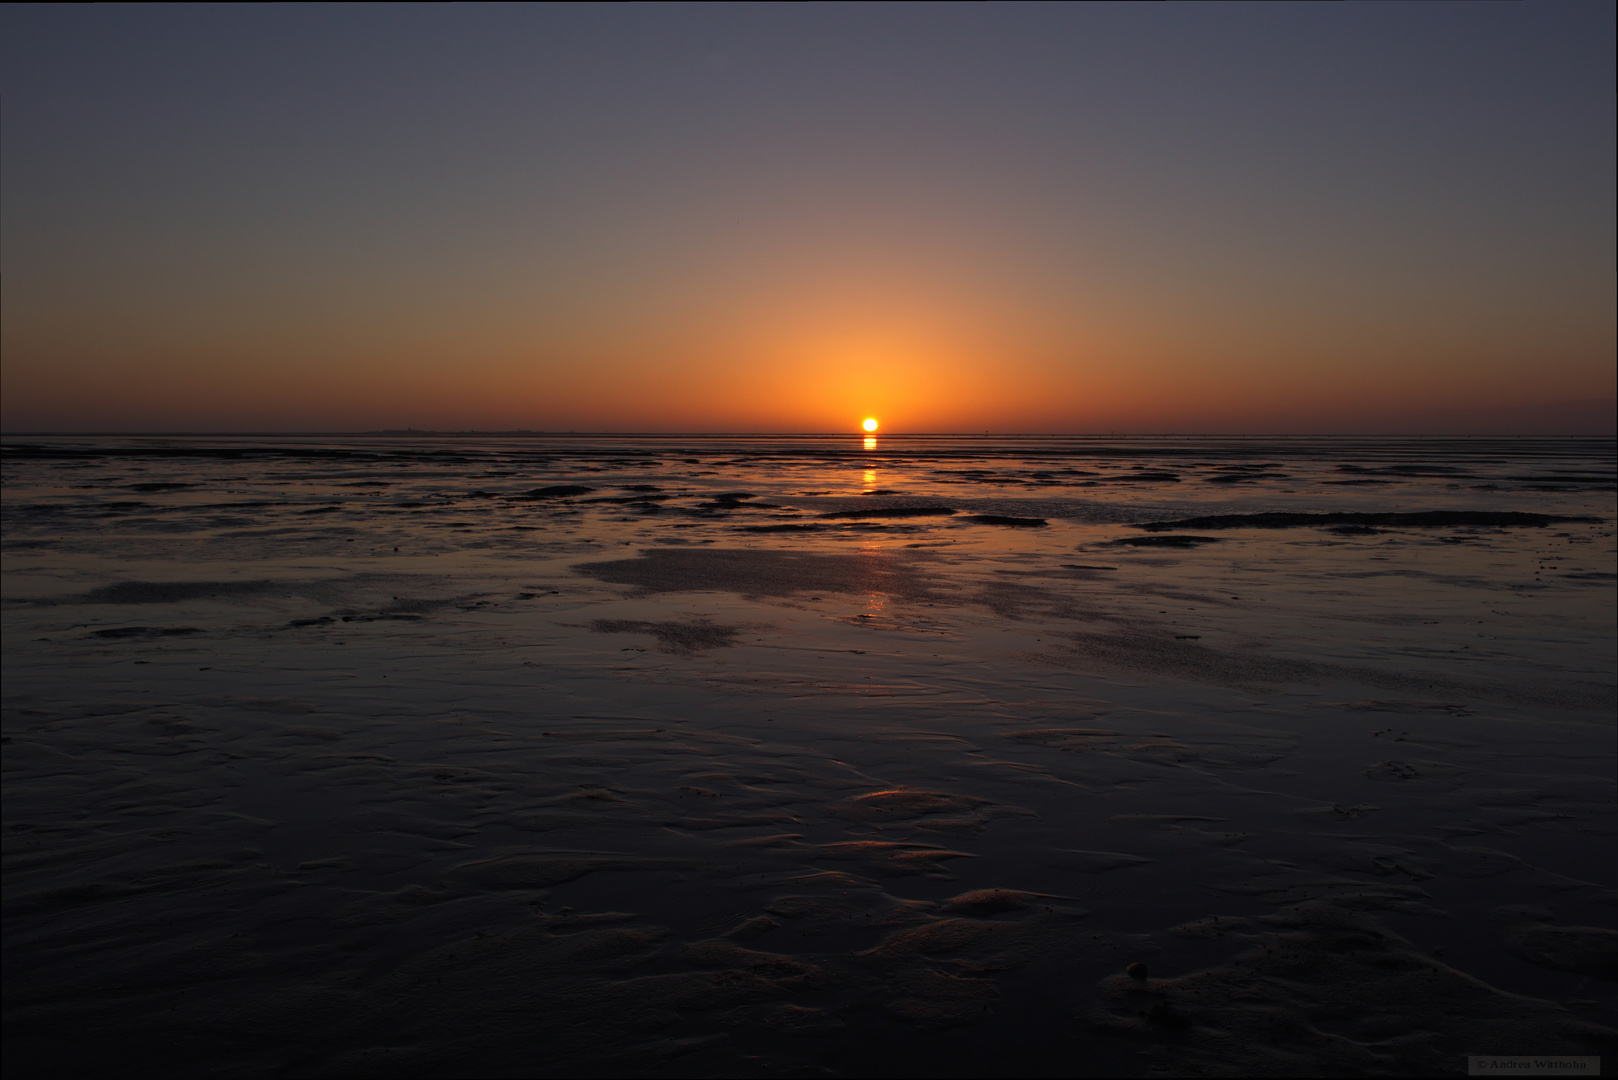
<point x="869" y="425"/>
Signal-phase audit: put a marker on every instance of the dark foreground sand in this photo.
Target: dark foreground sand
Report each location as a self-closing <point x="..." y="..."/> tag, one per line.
<point x="521" y="759"/>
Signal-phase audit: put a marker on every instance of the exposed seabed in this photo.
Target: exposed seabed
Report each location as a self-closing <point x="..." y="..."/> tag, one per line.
<point x="529" y="757"/>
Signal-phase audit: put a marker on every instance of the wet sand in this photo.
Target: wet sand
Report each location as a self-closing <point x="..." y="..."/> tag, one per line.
<point x="557" y="757"/>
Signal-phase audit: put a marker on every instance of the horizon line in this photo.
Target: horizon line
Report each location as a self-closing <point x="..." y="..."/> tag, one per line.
<point x="861" y="435"/>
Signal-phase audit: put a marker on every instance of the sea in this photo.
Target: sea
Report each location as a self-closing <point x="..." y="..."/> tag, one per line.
<point x="419" y="754"/>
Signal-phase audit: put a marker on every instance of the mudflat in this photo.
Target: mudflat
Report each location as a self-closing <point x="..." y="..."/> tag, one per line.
<point x="547" y="756"/>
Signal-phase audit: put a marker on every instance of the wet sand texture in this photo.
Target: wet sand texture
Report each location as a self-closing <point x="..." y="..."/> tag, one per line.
<point x="564" y="757"/>
<point x="767" y="573"/>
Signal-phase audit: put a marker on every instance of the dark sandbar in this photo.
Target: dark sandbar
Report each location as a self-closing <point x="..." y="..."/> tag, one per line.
<point x="894" y="512"/>
<point x="556" y="491"/>
<point x="1012" y="522"/>
<point x="765" y="573"/>
<point x="171" y="592"/>
<point x="1167" y="541"/>
<point x="1425" y="519"/>
<point x="674" y="637"/>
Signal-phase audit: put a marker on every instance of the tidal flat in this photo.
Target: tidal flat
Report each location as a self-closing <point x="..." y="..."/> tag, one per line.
<point x="410" y="755"/>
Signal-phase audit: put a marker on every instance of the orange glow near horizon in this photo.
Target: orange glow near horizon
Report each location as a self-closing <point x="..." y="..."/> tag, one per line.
<point x="944" y="363"/>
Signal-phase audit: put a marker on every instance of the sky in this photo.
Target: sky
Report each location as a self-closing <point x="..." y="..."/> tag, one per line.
<point x="1018" y="218"/>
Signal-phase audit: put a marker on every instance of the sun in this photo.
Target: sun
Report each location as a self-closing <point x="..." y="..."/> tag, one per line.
<point x="869" y="425"/>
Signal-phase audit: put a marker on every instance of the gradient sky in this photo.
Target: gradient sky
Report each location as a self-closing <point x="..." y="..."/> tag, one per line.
<point x="1157" y="217"/>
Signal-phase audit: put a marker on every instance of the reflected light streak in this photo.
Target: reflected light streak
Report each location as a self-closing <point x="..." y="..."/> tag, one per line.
<point x="870" y="442"/>
<point x="870" y="474"/>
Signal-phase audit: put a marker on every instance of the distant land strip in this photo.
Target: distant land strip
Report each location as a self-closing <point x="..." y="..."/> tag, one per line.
<point x="1425" y="519"/>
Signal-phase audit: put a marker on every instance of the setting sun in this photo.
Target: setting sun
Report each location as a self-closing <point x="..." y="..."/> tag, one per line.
<point x="869" y="425"/>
